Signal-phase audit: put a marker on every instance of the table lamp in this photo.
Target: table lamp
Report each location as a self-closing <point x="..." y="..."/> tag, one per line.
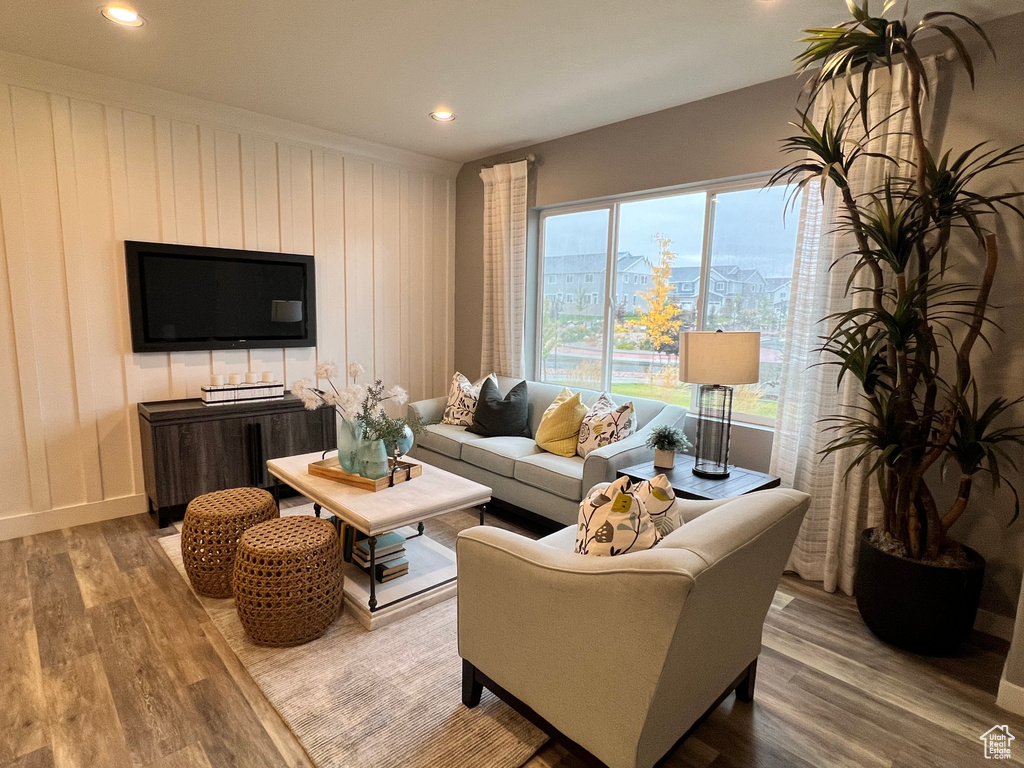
<point x="716" y="359"/>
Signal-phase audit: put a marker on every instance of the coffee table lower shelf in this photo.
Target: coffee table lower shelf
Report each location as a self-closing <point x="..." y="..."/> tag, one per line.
<point x="431" y="580"/>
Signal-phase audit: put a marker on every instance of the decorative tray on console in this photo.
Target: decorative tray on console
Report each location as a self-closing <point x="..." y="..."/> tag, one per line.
<point x="400" y="471"/>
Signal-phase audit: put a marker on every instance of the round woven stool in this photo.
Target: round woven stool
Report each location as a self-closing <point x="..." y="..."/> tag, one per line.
<point x="288" y="580"/>
<point x="214" y="522"/>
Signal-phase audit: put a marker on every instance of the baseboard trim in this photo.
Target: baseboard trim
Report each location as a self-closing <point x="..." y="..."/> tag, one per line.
<point x="994" y="624"/>
<point x="31" y="523"/>
<point x="1010" y="697"/>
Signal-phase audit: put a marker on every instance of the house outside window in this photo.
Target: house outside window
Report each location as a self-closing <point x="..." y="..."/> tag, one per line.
<point x="734" y="276"/>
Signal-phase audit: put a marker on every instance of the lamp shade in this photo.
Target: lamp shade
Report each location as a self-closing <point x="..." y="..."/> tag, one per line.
<point x="718" y="357"/>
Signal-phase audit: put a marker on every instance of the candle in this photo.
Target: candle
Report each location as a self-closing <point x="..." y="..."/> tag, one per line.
<point x="268" y="377"/>
<point x="250" y="378"/>
<point x="217" y="380"/>
<point x="234" y="378"/>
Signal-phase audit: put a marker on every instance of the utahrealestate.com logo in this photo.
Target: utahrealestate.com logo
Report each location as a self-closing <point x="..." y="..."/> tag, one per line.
<point x="997" y="742"/>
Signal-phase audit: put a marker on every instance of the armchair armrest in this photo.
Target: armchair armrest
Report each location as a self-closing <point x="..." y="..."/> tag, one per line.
<point x="429" y="411"/>
<point x="581" y="640"/>
<point x="601" y="465"/>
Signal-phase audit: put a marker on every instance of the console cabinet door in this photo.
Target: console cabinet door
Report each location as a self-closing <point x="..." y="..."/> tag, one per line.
<point x="201" y="456"/>
<point x="292" y="433"/>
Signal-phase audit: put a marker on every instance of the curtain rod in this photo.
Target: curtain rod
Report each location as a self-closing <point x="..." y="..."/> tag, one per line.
<point x="530" y="158"/>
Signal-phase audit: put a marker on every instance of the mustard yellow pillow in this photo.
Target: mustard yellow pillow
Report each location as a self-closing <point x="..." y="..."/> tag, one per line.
<point x="559" y="429"/>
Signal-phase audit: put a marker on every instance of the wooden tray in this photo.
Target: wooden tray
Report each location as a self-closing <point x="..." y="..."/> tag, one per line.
<point x="331" y="470"/>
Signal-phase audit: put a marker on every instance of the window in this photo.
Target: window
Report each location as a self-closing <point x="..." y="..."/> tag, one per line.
<point x="728" y="237"/>
<point x="570" y="279"/>
<point x="552" y="279"/>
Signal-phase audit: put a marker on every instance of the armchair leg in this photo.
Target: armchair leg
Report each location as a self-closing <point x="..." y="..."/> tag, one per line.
<point x="745" y="690"/>
<point x="471" y="687"/>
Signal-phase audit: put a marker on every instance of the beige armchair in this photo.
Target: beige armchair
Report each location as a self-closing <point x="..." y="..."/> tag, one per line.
<point x="622" y="657"/>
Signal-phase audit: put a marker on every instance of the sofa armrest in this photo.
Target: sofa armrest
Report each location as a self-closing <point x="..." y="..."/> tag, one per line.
<point x="601" y="465"/>
<point x="429" y="411"/>
<point x="581" y="640"/>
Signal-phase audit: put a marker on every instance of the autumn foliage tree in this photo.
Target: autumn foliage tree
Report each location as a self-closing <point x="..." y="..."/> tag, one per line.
<point x="661" y="320"/>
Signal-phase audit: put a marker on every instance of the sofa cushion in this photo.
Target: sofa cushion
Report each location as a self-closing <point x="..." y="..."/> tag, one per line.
<point x="613" y="522"/>
<point x="496" y="416"/>
<point x="446" y="439"/>
<point x="560" y="475"/>
<point x="659" y="497"/>
<point x="605" y="423"/>
<point x="559" y="428"/>
<point x="563" y="539"/>
<point x="498" y="454"/>
<point x="462" y="399"/>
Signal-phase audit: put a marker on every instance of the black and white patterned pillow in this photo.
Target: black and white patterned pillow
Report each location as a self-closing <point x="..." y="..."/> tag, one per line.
<point x="614" y="521"/>
<point x="462" y="399"/>
<point x="659" y="497"/>
<point x="604" y="424"/>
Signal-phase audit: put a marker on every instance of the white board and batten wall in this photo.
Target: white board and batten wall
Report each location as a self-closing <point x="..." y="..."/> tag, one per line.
<point x="87" y="162"/>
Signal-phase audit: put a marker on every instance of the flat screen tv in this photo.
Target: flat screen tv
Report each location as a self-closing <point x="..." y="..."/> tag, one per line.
<point x="187" y="297"/>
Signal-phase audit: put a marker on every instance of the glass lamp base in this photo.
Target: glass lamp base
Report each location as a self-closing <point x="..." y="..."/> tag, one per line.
<point x="711" y="474"/>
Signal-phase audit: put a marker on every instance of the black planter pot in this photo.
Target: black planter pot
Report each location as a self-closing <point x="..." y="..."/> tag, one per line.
<point x="920" y="607"/>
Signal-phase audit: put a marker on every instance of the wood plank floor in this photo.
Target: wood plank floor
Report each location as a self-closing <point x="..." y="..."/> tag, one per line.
<point x="106" y="659"/>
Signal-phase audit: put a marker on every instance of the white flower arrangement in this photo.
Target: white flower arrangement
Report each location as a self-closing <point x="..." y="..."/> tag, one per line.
<point x="358" y="402"/>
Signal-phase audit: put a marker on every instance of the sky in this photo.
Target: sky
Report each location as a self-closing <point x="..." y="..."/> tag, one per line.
<point x="748" y="230"/>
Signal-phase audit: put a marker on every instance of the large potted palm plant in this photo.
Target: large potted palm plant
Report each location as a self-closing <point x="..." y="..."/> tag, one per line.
<point x="913" y="330"/>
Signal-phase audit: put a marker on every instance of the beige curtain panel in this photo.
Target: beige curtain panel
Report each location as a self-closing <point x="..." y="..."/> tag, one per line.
<point x="841" y="505"/>
<point x="504" y="268"/>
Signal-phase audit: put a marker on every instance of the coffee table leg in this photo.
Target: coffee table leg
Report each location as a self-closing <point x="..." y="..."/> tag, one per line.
<point x="316" y="509"/>
<point x="372" y="542"/>
<point x="483" y="508"/>
<point x="277" y="492"/>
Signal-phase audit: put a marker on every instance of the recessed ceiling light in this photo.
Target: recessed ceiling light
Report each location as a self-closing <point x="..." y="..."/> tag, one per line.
<point x="442" y="115"/>
<point x="123" y="15"/>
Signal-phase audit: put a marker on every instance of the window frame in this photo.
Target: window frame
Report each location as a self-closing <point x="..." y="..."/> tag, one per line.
<point x="612" y="205"/>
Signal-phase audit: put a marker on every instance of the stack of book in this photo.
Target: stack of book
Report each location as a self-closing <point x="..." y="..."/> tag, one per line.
<point x="389" y="561"/>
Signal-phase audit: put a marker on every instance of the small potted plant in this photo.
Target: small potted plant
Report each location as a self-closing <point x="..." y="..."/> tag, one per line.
<point x="667" y="442"/>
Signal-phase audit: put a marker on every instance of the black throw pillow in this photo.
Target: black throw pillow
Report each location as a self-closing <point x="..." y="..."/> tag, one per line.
<point x="497" y="417"/>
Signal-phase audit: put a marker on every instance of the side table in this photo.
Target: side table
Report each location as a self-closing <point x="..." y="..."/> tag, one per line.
<point x="688" y="486"/>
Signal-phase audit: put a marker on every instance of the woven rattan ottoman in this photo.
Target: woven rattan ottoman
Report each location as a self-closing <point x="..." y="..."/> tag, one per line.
<point x="288" y="580"/>
<point x="214" y="522"/>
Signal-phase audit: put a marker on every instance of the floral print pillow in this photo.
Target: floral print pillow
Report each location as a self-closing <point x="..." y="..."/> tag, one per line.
<point x="604" y="424"/>
<point x="614" y="521"/>
<point x="659" y="498"/>
<point x="462" y="399"/>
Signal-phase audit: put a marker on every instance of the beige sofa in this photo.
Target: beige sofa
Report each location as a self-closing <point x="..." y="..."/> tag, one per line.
<point x="622" y="656"/>
<point x="521" y="473"/>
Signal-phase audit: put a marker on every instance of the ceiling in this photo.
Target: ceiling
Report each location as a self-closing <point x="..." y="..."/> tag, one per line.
<point x="514" y="72"/>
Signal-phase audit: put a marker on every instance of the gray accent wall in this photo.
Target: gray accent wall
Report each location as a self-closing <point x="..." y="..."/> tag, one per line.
<point x="737" y="134"/>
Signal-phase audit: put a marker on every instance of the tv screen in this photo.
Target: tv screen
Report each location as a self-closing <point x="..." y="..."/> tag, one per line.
<point x="184" y="297"/>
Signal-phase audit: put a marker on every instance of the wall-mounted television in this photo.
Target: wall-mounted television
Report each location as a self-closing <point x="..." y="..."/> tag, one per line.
<point x="188" y="297"/>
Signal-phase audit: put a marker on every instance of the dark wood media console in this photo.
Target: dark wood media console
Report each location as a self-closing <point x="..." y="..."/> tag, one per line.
<point x="189" y="448"/>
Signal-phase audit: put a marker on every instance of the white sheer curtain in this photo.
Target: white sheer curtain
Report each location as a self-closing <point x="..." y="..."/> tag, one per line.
<point x="504" y="268"/>
<point x="826" y="548"/>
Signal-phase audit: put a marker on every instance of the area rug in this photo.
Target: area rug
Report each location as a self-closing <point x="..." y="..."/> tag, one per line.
<point x="391" y="697"/>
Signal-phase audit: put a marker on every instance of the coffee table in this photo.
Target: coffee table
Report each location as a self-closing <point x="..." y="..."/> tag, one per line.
<point x="403" y="508"/>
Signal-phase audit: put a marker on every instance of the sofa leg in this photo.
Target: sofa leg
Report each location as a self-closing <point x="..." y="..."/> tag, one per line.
<point x="745" y="690"/>
<point x="471" y="687"/>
